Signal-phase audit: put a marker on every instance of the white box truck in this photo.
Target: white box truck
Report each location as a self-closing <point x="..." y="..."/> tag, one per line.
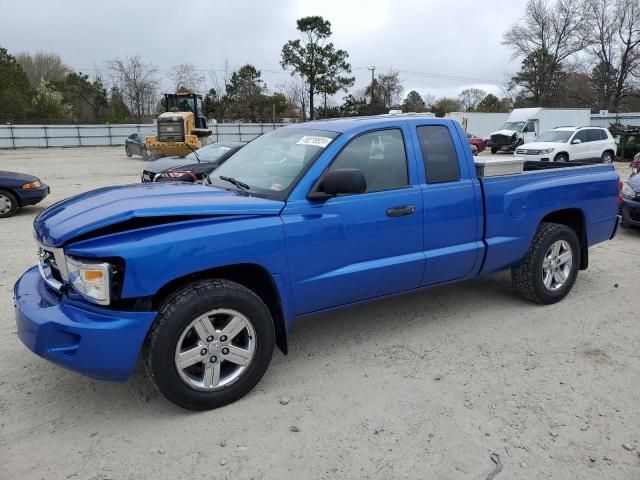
<point x="525" y="124"/>
<point x="479" y="124"/>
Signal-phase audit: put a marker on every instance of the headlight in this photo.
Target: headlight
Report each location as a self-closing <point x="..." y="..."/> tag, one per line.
<point x="547" y="150"/>
<point x="628" y="192"/>
<point x="32" y="185"/>
<point x="91" y="280"/>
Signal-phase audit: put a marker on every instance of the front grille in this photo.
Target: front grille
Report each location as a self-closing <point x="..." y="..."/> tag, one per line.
<point x="500" y="140"/>
<point x="52" y="266"/>
<point x="170" y="131"/>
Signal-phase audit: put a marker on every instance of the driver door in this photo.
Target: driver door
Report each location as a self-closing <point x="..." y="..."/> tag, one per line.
<point x="355" y="247"/>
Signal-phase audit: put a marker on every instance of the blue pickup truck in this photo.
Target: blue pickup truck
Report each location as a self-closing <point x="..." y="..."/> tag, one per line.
<point x="201" y="281"/>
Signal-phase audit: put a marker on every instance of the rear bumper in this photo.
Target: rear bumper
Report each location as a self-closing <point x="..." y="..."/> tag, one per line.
<point x="94" y="341"/>
<point x="630" y="211"/>
<point x="33" y="196"/>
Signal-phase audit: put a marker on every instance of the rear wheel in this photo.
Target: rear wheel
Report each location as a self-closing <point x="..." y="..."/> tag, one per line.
<point x="211" y="344"/>
<point x="550" y="266"/>
<point x="8" y="204"/>
<point x="494" y="150"/>
<point x="561" y="157"/>
<point x="607" y="157"/>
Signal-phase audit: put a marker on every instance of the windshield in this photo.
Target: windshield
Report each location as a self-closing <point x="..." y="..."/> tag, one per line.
<point x="208" y="153"/>
<point x="271" y="163"/>
<point x="558" y="136"/>
<point x="516" y="126"/>
<point x="180" y="104"/>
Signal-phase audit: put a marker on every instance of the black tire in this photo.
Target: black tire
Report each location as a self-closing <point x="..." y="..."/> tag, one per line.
<point x="527" y="278"/>
<point x="494" y="150"/>
<point x="127" y="151"/>
<point x="561" y="157"/>
<point x="607" y="157"/>
<point x="174" y="316"/>
<point x="8" y="204"/>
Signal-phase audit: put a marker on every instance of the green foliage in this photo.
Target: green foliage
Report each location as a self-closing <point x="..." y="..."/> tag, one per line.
<point x="540" y="80"/>
<point x="491" y="104"/>
<point x="316" y="59"/>
<point x="445" y="105"/>
<point x="15" y="91"/>
<point x="88" y="98"/>
<point x="414" y="103"/>
<point x="384" y="93"/>
<point x="49" y="104"/>
<point x="604" y="78"/>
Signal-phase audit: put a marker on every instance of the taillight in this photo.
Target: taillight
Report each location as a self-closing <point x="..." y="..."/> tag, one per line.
<point x="620" y="185"/>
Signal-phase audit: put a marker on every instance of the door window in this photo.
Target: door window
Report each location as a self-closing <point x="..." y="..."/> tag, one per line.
<point x="380" y="156"/>
<point x="581" y="135"/>
<point x="530" y="127"/>
<point x="439" y="154"/>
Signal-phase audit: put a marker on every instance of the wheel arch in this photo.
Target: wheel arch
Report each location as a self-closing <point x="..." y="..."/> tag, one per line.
<point x="252" y="276"/>
<point x="574" y="219"/>
<point x="562" y="153"/>
<point x="14" y="193"/>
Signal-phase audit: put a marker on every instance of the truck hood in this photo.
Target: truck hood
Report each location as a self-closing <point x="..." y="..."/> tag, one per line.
<point x="148" y="203"/>
<point x="507" y="133"/>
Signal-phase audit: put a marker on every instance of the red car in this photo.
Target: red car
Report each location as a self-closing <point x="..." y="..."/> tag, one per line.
<point x="480" y="143"/>
<point x="635" y="165"/>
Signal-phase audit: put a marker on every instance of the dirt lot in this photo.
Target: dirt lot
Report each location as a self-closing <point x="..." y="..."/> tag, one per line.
<point x="422" y="386"/>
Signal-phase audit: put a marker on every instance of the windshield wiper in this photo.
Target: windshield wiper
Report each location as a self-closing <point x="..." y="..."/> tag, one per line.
<point x="194" y="151"/>
<point x="241" y="185"/>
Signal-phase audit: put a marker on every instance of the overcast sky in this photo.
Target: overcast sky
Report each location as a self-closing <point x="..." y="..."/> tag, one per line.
<point x="439" y="46"/>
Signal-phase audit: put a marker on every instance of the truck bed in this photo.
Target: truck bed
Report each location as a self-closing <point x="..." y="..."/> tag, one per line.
<point x="514" y="206"/>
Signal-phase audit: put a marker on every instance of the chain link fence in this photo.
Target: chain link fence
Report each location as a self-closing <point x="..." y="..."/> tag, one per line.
<point x="46" y="136"/>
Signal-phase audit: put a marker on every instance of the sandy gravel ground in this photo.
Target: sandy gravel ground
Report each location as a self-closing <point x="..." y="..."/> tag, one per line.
<point x="422" y="386"/>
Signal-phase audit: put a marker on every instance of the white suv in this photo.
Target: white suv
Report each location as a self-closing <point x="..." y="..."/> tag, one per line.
<point x="564" y="144"/>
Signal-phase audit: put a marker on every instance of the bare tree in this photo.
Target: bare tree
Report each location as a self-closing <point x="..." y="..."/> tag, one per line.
<point x="138" y="84"/>
<point x="615" y="43"/>
<point x="296" y="93"/>
<point x="546" y="38"/>
<point x="42" y="66"/>
<point x="471" y="97"/>
<point x="220" y="78"/>
<point x="559" y="30"/>
<point x="429" y="101"/>
<point x="186" y="76"/>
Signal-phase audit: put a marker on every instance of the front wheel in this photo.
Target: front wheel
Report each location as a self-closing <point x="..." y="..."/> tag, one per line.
<point x="550" y="267"/>
<point x="494" y="150"/>
<point x="8" y="204"/>
<point x="210" y="345"/>
<point x="127" y="151"/>
<point x="561" y="157"/>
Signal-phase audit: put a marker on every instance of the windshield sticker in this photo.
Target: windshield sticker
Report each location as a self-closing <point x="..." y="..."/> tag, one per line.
<point x="314" y="140"/>
<point x="277" y="187"/>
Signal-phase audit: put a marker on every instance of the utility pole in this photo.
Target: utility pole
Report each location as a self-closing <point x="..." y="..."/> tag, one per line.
<point x="373" y="73"/>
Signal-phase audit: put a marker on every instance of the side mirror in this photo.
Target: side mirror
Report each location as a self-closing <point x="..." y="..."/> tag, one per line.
<point x="576" y="141"/>
<point x="341" y="181"/>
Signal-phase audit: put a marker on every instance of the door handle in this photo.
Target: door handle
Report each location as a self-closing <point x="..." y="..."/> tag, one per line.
<point x="401" y="211"/>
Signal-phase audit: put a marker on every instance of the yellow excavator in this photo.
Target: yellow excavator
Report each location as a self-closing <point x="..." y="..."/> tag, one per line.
<point x="182" y="128"/>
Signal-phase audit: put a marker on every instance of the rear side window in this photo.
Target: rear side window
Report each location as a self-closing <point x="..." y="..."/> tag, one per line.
<point x="439" y="154"/>
<point x="603" y="134"/>
<point x="594" y="135"/>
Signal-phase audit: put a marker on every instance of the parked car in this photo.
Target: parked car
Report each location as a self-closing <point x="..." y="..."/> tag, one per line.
<point x="480" y="143"/>
<point x="135" y="145"/>
<point x="19" y="190"/>
<point x="630" y="206"/>
<point x="200" y="281"/>
<point x="198" y="164"/>
<point x="635" y="165"/>
<point x="568" y="144"/>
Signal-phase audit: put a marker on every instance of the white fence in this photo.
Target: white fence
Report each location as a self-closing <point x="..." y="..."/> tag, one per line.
<point x="623" y="118"/>
<point x="44" y="136"/>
